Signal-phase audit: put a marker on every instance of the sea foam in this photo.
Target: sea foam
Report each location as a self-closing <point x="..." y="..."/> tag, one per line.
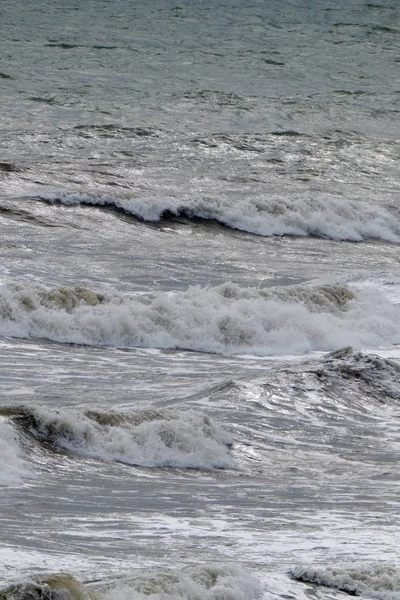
<point x="330" y="216"/>
<point x="227" y="319"/>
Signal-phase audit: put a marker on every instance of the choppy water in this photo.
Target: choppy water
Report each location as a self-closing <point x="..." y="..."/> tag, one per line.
<point x="199" y="300"/>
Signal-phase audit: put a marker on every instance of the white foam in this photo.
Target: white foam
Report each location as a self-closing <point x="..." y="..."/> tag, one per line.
<point x="13" y="466"/>
<point x="331" y="217"/>
<point x="206" y="582"/>
<point x="227" y="319"/>
<point x="185" y="439"/>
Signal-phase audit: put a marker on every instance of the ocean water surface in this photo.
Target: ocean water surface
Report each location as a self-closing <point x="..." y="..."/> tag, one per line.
<point x="199" y="299"/>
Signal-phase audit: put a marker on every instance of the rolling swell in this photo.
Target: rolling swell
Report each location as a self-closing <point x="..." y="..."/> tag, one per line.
<point x="350" y="378"/>
<point x="227" y="319"/>
<point x="145" y="438"/>
<point x="332" y="217"/>
<point x="373" y="375"/>
<point x="346" y="377"/>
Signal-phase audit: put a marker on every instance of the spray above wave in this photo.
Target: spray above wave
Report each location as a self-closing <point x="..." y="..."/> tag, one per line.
<point x="330" y="217"/>
<point x="227" y="319"/>
<point x="374" y="581"/>
<point x="148" y="439"/>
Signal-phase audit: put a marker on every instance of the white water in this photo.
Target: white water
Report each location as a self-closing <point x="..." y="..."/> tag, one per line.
<point x="227" y="319"/>
<point x="206" y="582"/>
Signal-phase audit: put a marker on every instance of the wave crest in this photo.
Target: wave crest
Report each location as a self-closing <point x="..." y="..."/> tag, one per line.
<point x="330" y="217"/>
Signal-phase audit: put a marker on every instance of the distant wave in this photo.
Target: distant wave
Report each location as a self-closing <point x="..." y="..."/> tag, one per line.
<point x="146" y="438"/>
<point x="227" y="319"/>
<point x="369" y="580"/>
<point x="329" y="217"/>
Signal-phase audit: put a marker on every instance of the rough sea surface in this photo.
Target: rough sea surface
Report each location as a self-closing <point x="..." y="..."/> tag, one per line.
<point x="199" y="299"/>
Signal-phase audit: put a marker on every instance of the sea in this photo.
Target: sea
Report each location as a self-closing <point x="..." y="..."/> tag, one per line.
<point x="199" y="299"/>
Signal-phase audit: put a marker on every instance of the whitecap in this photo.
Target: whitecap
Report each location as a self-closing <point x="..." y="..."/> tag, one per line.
<point x="330" y="216"/>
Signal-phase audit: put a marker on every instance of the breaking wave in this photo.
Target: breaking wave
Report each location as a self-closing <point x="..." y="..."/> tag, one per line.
<point x="374" y="581"/>
<point x="147" y="438"/>
<point x="226" y="319"/>
<point x="205" y="582"/>
<point x="331" y="217"/>
<point x="13" y="466"/>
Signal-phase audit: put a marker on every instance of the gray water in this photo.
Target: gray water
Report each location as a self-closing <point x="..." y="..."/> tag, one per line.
<point x="199" y="298"/>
